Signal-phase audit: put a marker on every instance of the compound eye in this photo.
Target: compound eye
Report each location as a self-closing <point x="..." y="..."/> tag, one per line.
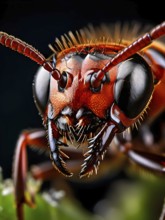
<point x="65" y="81"/>
<point x="134" y="86"/>
<point x="41" y="87"/>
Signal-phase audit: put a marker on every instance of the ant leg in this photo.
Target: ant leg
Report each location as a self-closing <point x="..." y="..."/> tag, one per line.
<point x="36" y="138"/>
<point x="45" y="170"/>
<point x="147" y="159"/>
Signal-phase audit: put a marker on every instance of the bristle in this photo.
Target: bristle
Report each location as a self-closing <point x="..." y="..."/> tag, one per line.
<point x="117" y="33"/>
<point x="73" y="38"/>
<point x="64" y="42"/>
<point x="59" y="44"/>
<point x="83" y="36"/>
<point x="52" y="48"/>
<point x="68" y="41"/>
<point x="78" y="37"/>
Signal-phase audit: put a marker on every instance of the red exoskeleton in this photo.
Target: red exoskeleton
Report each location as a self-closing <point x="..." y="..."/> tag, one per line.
<point x="89" y="92"/>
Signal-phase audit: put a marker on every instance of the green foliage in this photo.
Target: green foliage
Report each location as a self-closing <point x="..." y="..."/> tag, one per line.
<point x="141" y="198"/>
<point x="61" y="207"/>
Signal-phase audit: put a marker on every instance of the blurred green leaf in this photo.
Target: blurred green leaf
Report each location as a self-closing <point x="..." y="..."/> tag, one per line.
<point x="140" y="198"/>
<point x="64" y="209"/>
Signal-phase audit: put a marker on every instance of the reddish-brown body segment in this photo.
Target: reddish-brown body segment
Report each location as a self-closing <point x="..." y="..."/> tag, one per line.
<point x="156" y="57"/>
<point x="82" y="96"/>
<point x="77" y="58"/>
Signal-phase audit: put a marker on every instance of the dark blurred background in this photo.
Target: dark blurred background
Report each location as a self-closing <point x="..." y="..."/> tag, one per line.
<point x="38" y="23"/>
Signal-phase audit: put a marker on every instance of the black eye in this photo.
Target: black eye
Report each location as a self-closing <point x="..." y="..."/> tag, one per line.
<point x="134" y="86"/>
<point x="41" y="86"/>
<point x="65" y="81"/>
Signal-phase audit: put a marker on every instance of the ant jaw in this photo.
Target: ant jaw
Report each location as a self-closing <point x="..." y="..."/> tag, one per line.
<point x="56" y="155"/>
<point x="97" y="143"/>
<point x="97" y="148"/>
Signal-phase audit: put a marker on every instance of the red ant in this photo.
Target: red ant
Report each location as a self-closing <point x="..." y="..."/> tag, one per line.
<point x="88" y="93"/>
